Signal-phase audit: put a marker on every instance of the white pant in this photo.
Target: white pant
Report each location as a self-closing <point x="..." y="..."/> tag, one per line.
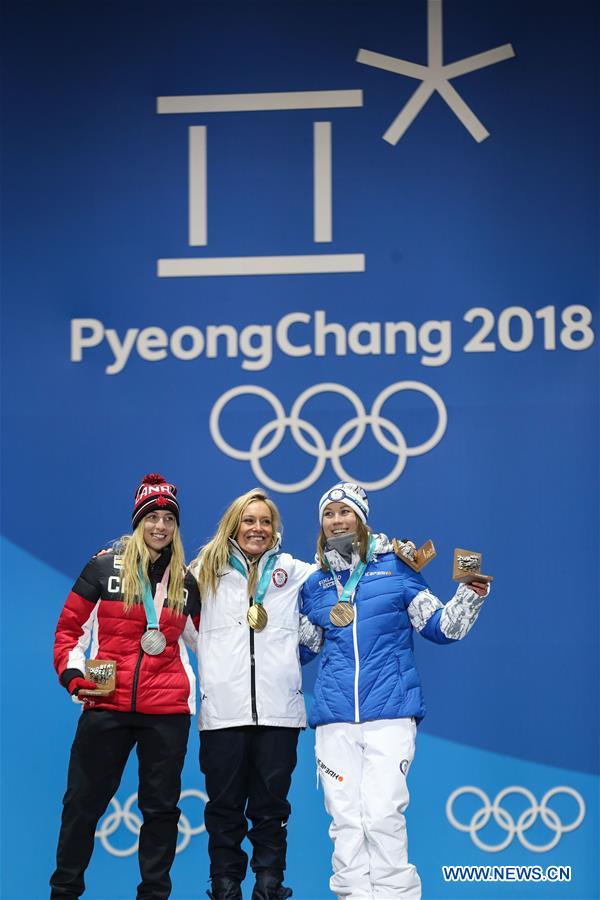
<point x="363" y="771"/>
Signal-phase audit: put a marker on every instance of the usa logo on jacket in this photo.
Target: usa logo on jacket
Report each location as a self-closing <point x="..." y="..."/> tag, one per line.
<point x="280" y="577"/>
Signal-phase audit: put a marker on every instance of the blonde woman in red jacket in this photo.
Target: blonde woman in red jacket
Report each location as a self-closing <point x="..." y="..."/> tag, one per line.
<point x="135" y="605"/>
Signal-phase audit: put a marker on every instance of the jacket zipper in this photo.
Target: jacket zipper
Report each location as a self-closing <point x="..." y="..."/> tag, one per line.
<point x="136" y="673"/>
<point x="135" y="680"/>
<point x="356" y="657"/>
<point x="252" y="673"/>
<point x="356" y="664"/>
<point x="252" y="654"/>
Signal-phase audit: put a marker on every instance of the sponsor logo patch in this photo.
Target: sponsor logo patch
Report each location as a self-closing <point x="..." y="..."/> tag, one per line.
<point x="326" y="583"/>
<point x="327" y="771"/>
<point x="279" y="577"/>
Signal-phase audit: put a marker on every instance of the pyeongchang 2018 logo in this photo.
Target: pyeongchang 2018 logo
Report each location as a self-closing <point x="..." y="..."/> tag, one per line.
<point x="308" y="438"/>
<point x="432" y="78"/>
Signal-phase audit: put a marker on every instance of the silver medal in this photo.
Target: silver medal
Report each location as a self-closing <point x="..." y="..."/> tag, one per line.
<point x="153" y="642"/>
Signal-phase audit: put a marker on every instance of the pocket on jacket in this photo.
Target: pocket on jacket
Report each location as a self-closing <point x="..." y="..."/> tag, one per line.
<point x="279" y="678"/>
<point x="223" y="670"/>
<point x="401" y="684"/>
<point x="283" y="702"/>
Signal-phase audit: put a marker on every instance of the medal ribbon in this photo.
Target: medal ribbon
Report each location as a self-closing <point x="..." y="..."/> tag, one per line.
<point x="345" y="593"/>
<point x="153" y="605"/>
<point x="263" y="584"/>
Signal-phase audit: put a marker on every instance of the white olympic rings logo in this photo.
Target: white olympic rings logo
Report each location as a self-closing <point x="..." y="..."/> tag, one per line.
<point x="125" y="815"/>
<point x="527" y="818"/>
<point x="347" y="437"/>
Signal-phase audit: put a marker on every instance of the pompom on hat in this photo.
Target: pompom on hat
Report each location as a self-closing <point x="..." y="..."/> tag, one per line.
<point x="353" y="495"/>
<point x="154" y="493"/>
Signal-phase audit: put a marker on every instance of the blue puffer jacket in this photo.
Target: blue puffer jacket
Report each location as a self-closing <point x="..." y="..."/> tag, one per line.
<point x="367" y="669"/>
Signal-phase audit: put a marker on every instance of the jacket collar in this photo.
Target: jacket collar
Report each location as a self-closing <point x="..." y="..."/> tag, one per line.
<point x="157" y="568"/>
<point x="237" y="551"/>
<point x="338" y="564"/>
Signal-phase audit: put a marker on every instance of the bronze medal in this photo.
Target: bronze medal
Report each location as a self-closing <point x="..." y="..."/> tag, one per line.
<point x="342" y="614"/>
<point x="257" y="617"/>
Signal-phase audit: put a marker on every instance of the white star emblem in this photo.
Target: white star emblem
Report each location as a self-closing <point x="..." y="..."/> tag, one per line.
<point x="435" y="76"/>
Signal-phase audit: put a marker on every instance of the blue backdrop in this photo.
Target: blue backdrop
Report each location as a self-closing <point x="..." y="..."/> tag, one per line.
<point x="284" y="243"/>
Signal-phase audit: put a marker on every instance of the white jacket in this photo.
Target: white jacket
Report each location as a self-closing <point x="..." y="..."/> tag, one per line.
<point x="232" y="690"/>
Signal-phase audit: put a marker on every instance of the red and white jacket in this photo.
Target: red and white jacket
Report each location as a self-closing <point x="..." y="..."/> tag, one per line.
<point x="94" y="617"/>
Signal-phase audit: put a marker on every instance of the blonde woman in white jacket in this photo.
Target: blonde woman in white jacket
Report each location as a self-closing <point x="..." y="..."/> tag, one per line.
<point x="250" y="642"/>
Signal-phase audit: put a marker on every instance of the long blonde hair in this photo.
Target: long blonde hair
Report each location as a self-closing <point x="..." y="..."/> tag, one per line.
<point x="213" y="557"/>
<point x="361" y="544"/>
<point x="135" y="557"/>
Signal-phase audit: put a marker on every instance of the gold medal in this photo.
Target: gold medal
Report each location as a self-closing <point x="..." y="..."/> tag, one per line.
<point x="342" y="614"/>
<point x="257" y="617"/>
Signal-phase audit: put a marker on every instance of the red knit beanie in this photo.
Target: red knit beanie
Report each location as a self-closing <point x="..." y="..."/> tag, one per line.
<point x="154" y="493"/>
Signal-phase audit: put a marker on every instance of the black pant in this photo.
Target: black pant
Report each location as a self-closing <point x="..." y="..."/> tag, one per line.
<point x="248" y="771"/>
<point x="102" y="744"/>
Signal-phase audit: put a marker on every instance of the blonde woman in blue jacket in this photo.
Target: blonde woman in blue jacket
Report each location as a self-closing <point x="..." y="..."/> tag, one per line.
<point x="368" y="697"/>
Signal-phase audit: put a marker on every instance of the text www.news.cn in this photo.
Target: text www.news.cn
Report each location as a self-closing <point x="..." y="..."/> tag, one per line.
<point x="506" y="873"/>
